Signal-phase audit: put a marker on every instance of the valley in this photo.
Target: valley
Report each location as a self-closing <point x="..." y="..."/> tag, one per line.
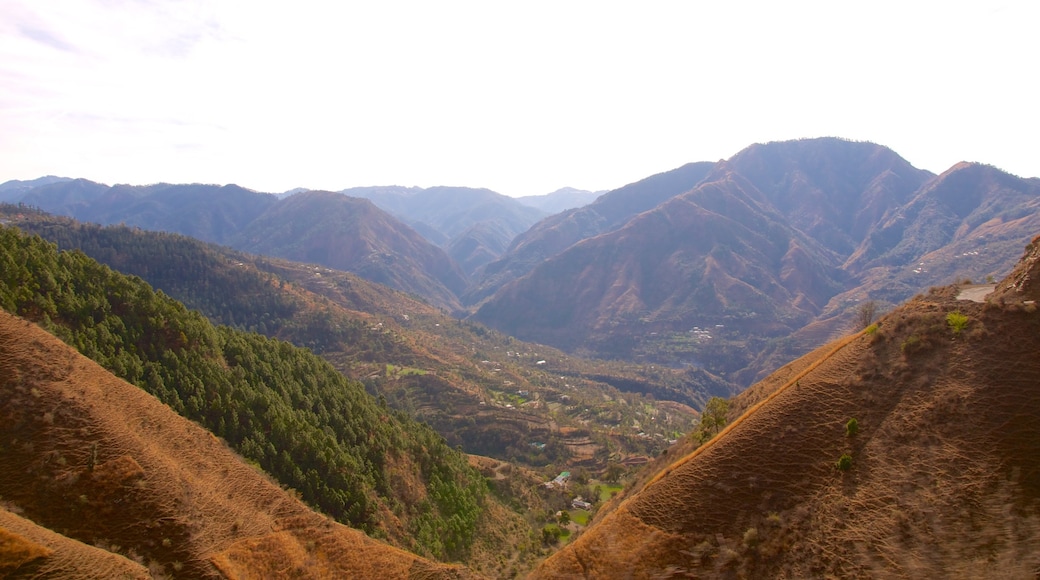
<point x="423" y="364"/>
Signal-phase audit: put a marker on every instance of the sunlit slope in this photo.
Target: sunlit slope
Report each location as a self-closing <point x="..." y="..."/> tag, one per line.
<point x="90" y="457"/>
<point x="945" y="466"/>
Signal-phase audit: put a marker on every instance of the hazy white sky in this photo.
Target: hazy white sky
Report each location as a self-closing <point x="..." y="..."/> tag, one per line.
<point x="520" y="97"/>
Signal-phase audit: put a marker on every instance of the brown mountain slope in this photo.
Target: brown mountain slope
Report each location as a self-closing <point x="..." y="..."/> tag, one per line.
<point x="30" y="551"/>
<point x="1023" y="283"/>
<point x="717" y="255"/>
<point x="558" y="232"/>
<point x="834" y="191"/>
<point x="944" y="478"/>
<point x="100" y="461"/>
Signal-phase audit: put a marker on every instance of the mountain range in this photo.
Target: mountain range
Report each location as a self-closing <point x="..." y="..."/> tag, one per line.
<point x="473" y="225"/>
<point x="783" y="238"/>
<point x="733" y="266"/>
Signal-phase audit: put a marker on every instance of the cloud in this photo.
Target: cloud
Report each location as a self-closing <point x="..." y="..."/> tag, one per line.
<point x="45" y="37"/>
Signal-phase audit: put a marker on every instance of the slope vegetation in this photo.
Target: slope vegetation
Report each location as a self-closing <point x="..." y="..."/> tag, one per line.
<point x="940" y="476"/>
<point x="109" y="482"/>
<point x="280" y="406"/>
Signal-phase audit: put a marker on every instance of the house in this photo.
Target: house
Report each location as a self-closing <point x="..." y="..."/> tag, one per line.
<point x="560" y="481"/>
<point x="579" y="503"/>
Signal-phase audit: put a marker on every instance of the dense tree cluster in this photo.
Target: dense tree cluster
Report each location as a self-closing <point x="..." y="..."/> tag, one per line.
<point x="280" y="406"/>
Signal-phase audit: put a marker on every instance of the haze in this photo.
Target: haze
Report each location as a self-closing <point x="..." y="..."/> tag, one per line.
<point x="521" y="98"/>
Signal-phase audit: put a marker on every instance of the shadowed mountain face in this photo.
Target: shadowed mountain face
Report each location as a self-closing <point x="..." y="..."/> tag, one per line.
<point x="781" y="236"/>
<point x="329" y="229"/>
<point x="473" y="225"/>
<point x="352" y="234"/>
<point x="557" y="233"/>
<point x="717" y="255"/>
<point x="941" y="476"/>
<point x="212" y="213"/>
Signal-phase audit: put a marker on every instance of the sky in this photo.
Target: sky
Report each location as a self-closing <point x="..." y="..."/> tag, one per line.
<point x="519" y="97"/>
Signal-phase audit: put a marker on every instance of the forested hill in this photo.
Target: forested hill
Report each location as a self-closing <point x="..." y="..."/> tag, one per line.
<point x="280" y="406"/>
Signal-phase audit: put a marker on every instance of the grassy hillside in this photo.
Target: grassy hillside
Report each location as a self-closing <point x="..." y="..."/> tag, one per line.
<point x="279" y="406"/>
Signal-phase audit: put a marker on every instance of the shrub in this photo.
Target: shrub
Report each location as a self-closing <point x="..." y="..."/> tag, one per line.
<point x="956" y="321"/>
<point x="844" y="462"/>
<point x="851" y="427"/>
<point x="751" y="537"/>
<point x="872" y="328"/>
<point x="911" y="344"/>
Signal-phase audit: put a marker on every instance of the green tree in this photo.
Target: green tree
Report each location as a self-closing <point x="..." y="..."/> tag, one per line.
<point x="613" y="472"/>
<point x="713" y="418"/>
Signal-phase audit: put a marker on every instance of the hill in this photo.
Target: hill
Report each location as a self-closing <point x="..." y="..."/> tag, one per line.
<point x="768" y="257"/>
<point x="473" y="225"/>
<point x="279" y="406"/>
<point x="939" y="476"/>
<point x="109" y="482"/>
<point x="352" y="234"/>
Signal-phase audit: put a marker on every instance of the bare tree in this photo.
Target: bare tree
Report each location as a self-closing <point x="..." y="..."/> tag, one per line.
<point x="866" y="314"/>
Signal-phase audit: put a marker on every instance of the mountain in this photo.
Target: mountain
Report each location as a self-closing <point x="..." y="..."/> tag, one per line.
<point x="909" y="449"/>
<point x="560" y="200"/>
<point x="558" y="232"/>
<point x="335" y="231"/>
<point x="473" y="225"/>
<point x="718" y="255"/>
<point x="767" y="257"/>
<point x="352" y="234"/>
<point x="64" y="197"/>
<point x="208" y="212"/>
<point x="103" y="480"/>
<point x="14" y="189"/>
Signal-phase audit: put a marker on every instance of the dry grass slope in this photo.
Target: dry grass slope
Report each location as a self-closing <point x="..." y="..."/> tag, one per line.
<point x="102" y="462"/>
<point x="945" y="478"/>
<point x="30" y="551"/>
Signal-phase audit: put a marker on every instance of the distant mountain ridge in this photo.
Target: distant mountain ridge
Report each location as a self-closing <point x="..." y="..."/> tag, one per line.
<point x="562" y="199"/>
<point x="326" y="228"/>
<point x="352" y="234"/>
<point x="473" y="225"/>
